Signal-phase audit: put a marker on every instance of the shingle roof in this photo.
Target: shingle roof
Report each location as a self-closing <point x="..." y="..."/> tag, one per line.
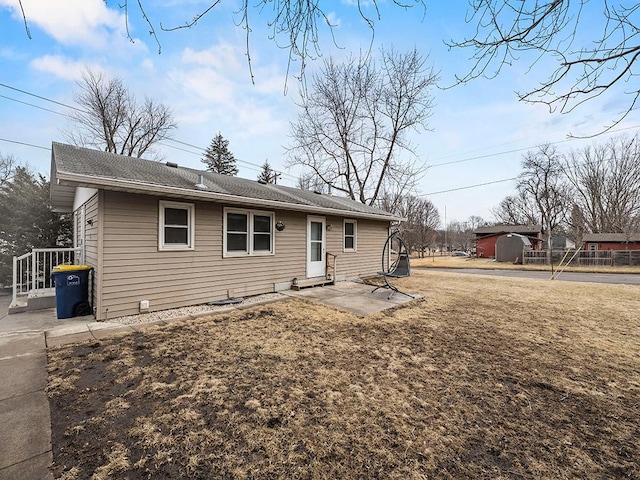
<point x="77" y="166"/>
<point x="610" y="237"/>
<point x="496" y="229"/>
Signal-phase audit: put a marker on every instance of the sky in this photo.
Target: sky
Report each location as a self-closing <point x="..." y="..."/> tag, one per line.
<point x="477" y="135"/>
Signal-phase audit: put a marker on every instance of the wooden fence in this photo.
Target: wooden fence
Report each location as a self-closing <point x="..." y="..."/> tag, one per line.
<point x="590" y="258"/>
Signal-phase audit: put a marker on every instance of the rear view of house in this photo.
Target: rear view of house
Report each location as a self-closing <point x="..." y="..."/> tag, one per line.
<point x="173" y="236"/>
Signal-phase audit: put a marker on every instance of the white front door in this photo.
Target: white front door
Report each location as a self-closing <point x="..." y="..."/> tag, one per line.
<point x="316" y="247"/>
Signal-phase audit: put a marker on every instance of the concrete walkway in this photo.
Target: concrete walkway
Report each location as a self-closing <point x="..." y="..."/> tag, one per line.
<point x="25" y="419"/>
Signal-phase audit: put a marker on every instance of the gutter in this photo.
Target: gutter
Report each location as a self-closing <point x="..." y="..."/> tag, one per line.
<point x="72" y="179"/>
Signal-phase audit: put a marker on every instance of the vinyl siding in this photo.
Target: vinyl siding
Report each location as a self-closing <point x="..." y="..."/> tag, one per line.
<point x="370" y="238"/>
<point x="91" y="237"/>
<point x="134" y="269"/>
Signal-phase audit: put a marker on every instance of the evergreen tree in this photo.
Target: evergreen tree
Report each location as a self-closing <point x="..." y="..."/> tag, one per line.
<point x="267" y="175"/>
<point x="27" y="220"/>
<point x="218" y="158"/>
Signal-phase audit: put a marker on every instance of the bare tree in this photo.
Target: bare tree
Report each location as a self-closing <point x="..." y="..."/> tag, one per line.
<point x="576" y="225"/>
<point x="460" y="236"/>
<point x="543" y="182"/>
<point x="606" y="181"/>
<point x="8" y="165"/>
<point x="352" y="130"/>
<point x="309" y="181"/>
<point x="111" y="118"/>
<point x="590" y="56"/>
<point x="516" y="209"/>
<point x="419" y="231"/>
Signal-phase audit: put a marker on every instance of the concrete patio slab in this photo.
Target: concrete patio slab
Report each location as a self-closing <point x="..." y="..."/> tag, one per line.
<point x="26" y="429"/>
<point x="352" y="297"/>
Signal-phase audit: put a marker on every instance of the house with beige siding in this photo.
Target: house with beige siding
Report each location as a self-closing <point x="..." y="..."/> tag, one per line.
<point x="161" y="236"/>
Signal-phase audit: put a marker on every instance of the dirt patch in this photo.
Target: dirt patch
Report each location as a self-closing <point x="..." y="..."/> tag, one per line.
<point x="482" y="379"/>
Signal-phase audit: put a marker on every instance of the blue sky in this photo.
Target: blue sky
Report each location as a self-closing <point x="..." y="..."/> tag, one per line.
<point x="478" y="132"/>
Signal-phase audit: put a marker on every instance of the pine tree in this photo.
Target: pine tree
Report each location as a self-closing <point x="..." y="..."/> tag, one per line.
<point x="267" y="175"/>
<point x="28" y="220"/>
<point x="218" y="158"/>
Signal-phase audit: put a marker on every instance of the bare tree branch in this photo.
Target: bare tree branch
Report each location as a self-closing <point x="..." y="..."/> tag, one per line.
<point x="588" y="62"/>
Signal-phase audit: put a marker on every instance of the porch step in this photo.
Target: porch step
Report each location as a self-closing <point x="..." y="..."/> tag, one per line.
<point x="17" y="307"/>
<point x="29" y="304"/>
<point x="312" y="282"/>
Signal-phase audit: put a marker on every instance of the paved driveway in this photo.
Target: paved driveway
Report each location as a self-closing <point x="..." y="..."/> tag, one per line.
<point x="618" y="278"/>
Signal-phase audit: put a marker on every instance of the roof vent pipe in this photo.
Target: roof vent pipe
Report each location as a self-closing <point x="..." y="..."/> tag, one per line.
<point x="172" y="165"/>
<point x="201" y="184"/>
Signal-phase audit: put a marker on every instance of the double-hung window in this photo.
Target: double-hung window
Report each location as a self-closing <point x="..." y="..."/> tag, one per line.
<point x="176" y="226"/>
<point x="248" y="232"/>
<point x="350" y="236"/>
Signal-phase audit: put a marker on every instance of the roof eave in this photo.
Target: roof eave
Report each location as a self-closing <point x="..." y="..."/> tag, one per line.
<point x="71" y="179"/>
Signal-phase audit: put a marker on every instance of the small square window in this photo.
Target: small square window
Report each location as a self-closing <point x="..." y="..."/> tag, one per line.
<point x="350" y="236"/>
<point x="176" y="226"/>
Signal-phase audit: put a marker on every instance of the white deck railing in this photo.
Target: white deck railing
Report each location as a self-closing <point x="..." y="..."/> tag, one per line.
<point x="32" y="271"/>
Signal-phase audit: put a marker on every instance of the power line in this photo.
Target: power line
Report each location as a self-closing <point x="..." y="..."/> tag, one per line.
<point x="41" y="98"/>
<point x="469" y="187"/>
<point x="24" y="143"/>
<point x="249" y="165"/>
<point x="35" y="106"/>
<point x="480" y="157"/>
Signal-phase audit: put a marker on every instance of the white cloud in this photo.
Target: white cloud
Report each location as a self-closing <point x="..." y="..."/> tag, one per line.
<point x="223" y="57"/>
<point x="62" y="67"/>
<point x="72" y="22"/>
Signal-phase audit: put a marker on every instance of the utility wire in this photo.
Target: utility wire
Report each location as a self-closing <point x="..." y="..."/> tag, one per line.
<point x="24" y="143"/>
<point x="468" y="187"/>
<point x="41" y="98"/>
<point x="480" y="157"/>
<point x="249" y="165"/>
<point x="35" y="106"/>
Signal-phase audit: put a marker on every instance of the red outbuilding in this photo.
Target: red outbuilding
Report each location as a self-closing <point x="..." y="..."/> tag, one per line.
<point x="486" y="237"/>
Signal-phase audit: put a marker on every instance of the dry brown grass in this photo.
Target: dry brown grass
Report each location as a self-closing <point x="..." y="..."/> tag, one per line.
<point x="483" y="378"/>
<point x="488" y="263"/>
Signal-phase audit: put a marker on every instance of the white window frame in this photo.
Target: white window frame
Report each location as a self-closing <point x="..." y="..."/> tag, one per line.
<point x="355" y="235"/>
<point x="250" y="252"/>
<point x="191" y="226"/>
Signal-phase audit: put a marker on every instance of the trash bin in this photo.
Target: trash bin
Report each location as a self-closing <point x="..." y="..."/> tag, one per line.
<point x="72" y="290"/>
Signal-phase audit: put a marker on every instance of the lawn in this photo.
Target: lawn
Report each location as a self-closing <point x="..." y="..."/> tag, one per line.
<point x="446" y="261"/>
<point x="483" y="378"/>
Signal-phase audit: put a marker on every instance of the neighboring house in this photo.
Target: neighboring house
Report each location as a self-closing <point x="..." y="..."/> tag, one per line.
<point x="611" y="241"/>
<point x="486" y="237"/>
<point x="176" y="236"/>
